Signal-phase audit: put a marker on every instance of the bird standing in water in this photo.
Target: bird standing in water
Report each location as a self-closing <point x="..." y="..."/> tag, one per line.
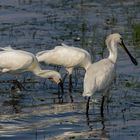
<point x="18" y="61"/>
<point x="66" y="56"/>
<point x="100" y="75"/>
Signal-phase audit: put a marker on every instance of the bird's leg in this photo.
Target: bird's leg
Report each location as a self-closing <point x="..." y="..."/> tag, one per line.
<point x="61" y="86"/>
<point x="18" y="84"/>
<point x="88" y="122"/>
<point x="87" y="106"/>
<point x="60" y="98"/>
<point x="70" y="83"/>
<point x="71" y="98"/>
<point x="65" y="76"/>
<point x="102" y="106"/>
<point x="70" y="87"/>
<point x="60" y="95"/>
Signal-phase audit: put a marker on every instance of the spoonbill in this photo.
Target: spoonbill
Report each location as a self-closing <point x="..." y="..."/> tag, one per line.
<point x="18" y="61"/>
<point x="66" y="56"/>
<point x="100" y="75"/>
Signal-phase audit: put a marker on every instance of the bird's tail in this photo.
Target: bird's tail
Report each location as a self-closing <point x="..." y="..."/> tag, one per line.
<point x="6" y="48"/>
<point x="64" y="45"/>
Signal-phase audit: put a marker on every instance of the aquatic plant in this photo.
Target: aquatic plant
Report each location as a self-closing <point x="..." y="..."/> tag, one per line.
<point x="136" y="34"/>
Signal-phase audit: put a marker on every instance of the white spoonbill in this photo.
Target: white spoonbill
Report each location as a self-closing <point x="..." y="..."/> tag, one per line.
<point x="66" y="56"/>
<point x="18" y="61"/>
<point x="99" y="75"/>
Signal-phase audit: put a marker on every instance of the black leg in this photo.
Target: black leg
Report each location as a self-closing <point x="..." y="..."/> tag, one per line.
<point x="61" y="87"/>
<point x="87" y="106"/>
<point x="102" y="106"/>
<point x="60" y="94"/>
<point x="65" y="76"/>
<point x="88" y="121"/>
<point x="70" y="87"/>
<point x="18" y="84"/>
<point x="60" y="98"/>
<point x="71" y="98"/>
<point x="70" y="83"/>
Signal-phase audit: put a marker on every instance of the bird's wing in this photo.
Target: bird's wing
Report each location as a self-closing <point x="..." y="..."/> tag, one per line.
<point x="9" y="61"/>
<point x="6" y="48"/>
<point x="89" y="83"/>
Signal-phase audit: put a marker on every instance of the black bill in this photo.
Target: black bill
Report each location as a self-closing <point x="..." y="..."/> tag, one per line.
<point x="129" y="54"/>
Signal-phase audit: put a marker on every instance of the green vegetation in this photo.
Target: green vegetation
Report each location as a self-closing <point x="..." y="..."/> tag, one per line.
<point x="136" y="34"/>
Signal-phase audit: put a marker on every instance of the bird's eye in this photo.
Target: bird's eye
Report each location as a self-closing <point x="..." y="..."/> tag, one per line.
<point x="50" y="78"/>
<point x="121" y="39"/>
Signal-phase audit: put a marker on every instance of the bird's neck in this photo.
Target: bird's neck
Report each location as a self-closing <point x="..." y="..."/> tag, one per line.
<point x="42" y="73"/>
<point x="45" y="73"/>
<point x="113" y="52"/>
<point x="87" y="65"/>
<point x="36" y="69"/>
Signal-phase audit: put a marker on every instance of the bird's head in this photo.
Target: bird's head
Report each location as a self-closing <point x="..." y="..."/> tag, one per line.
<point x="116" y="39"/>
<point x="53" y="76"/>
<point x="56" y="77"/>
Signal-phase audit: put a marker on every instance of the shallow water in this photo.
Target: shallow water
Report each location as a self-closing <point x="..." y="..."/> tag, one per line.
<point x="36" y="113"/>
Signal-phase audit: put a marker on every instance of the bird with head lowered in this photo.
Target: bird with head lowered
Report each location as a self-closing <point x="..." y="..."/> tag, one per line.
<point x="18" y="61"/>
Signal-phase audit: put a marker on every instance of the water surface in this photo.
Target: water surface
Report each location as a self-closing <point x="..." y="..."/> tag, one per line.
<point x="36" y="113"/>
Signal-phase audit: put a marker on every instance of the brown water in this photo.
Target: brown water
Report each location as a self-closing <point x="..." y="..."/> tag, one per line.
<point x="36" y="114"/>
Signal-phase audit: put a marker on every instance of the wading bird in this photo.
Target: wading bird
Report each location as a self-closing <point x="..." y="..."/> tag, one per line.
<point x="66" y="56"/>
<point x="100" y="75"/>
<point x="18" y="61"/>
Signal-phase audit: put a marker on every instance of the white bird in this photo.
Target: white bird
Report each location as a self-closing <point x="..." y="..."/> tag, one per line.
<point x="67" y="56"/>
<point x="100" y="75"/>
<point x="18" y="61"/>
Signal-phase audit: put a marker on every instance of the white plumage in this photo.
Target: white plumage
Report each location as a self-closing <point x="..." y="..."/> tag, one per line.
<point x="18" y="61"/>
<point x="100" y="75"/>
<point x="66" y="56"/>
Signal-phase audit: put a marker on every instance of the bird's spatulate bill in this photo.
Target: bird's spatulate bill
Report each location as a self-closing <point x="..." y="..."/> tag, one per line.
<point x="129" y="54"/>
